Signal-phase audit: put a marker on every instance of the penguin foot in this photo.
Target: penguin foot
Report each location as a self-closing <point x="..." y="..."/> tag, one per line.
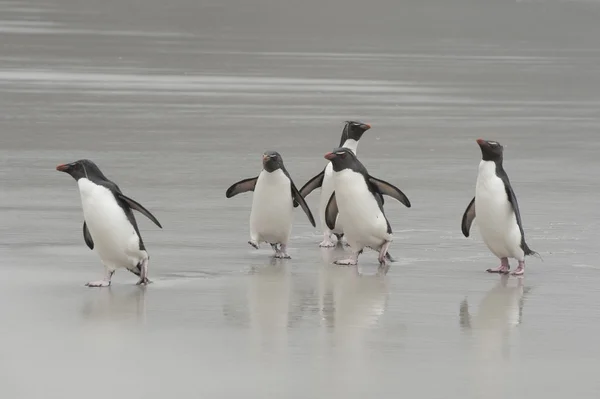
<point x="504" y="267"/>
<point x="143" y="281"/>
<point x="383" y="253"/>
<point x="327" y="243"/>
<point x="99" y="283"/>
<point x="281" y="253"/>
<point x="253" y="243"/>
<point x="520" y="270"/>
<point x="499" y="269"/>
<point x="347" y="262"/>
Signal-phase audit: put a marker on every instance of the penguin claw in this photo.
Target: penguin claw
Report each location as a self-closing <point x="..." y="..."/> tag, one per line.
<point x="144" y="281"/>
<point x="100" y="283"/>
<point x="346" y="262"/>
<point x="253" y="243"/>
<point x="326" y="244"/>
<point x="498" y="270"/>
<point x="282" y="256"/>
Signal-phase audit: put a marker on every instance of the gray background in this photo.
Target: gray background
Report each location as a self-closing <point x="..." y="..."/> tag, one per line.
<point x="176" y="100"/>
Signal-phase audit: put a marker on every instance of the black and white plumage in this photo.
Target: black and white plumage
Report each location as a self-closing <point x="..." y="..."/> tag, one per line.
<point x="275" y="196"/>
<point x="358" y="198"/>
<point x="109" y="225"/>
<point x="351" y="134"/>
<point x="497" y="210"/>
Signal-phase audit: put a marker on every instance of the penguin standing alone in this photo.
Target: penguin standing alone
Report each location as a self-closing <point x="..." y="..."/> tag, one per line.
<point x="275" y="197"/>
<point x="351" y="134"/>
<point x="498" y="217"/>
<point x="109" y="225"/>
<point x="358" y="198"/>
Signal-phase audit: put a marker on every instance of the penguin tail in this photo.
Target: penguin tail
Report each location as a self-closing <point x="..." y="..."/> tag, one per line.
<point x="530" y="252"/>
<point x="389" y="257"/>
<point x="136" y="270"/>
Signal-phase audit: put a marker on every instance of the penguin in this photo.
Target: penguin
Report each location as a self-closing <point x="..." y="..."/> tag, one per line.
<point x="351" y="134"/>
<point x="275" y="197"/>
<point x="109" y="225"/>
<point x="495" y="205"/>
<point x="358" y="198"/>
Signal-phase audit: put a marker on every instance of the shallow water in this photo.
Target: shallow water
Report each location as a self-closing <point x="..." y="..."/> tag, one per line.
<point x="177" y="100"/>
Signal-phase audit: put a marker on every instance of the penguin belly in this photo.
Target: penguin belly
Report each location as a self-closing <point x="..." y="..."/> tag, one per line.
<point x="115" y="239"/>
<point x="327" y="188"/>
<point x="495" y="216"/>
<point x="272" y="208"/>
<point x="364" y="223"/>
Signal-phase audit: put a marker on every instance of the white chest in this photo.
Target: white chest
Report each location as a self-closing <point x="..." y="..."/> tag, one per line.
<point x="114" y="236"/>
<point x="363" y="220"/>
<point x="491" y="200"/>
<point x="326" y="190"/>
<point x="272" y="205"/>
<point x="351" y="144"/>
<point x="494" y="213"/>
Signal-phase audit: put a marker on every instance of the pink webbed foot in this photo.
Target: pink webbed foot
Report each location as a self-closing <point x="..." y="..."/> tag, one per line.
<point x="504" y="267"/>
<point x="520" y="269"/>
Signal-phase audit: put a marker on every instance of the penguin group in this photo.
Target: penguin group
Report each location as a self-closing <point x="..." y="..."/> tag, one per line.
<point x="351" y="209"/>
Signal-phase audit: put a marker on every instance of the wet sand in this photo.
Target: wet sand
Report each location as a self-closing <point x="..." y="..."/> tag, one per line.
<point x="177" y="100"/>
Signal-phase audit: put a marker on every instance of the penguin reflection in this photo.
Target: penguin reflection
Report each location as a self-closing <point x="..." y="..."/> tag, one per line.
<point x="350" y="303"/>
<point x="500" y="312"/>
<point x="116" y="306"/>
<point x="269" y="289"/>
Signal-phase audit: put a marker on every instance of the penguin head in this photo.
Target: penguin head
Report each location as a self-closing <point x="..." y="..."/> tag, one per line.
<point x="490" y="150"/>
<point x="341" y="158"/>
<point x="82" y="168"/>
<point x="272" y="161"/>
<point x="353" y="130"/>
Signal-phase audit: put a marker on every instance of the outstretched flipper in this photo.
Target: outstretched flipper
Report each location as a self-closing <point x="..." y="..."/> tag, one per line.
<point x="298" y="199"/>
<point x="386" y="188"/>
<point x="468" y="217"/>
<point x="138" y="207"/>
<point x="312" y="184"/>
<point x="87" y="236"/>
<point x="241" y="187"/>
<point x="331" y="212"/>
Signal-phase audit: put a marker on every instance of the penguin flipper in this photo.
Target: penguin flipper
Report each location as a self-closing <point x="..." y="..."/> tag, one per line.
<point x="312" y="184"/>
<point x="386" y="188"/>
<point x="138" y="207"/>
<point x="298" y="199"/>
<point x="241" y="187"/>
<point x="331" y="212"/>
<point x="468" y="217"/>
<point x="87" y="236"/>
